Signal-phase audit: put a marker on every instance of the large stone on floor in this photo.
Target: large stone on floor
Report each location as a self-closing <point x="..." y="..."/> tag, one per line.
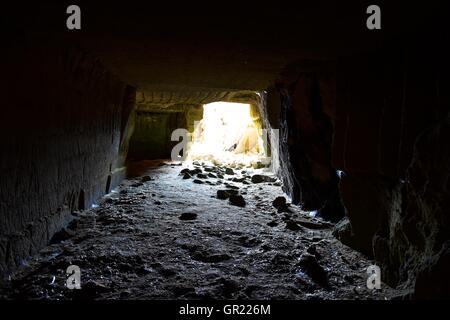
<point x="188" y="216"/>
<point x="308" y="263"/>
<point x="343" y="232"/>
<point x="259" y="178"/>
<point x="237" y="200"/>
<point x="222" y="194"/>
<point x="279" y="202"/>
<point x="292" y="225"/>
<point x="229" y="171"/>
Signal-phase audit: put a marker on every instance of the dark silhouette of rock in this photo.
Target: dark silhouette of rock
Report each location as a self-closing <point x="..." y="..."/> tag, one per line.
<point x="205" y="256"/>
<point x="272" y="223"/>
<point x="229" y="171"/>
<point x="313" y="224"/>
<point x="222" y="194"/>
<point x="279" y="202"/>
<point x="62" y="235"/>
<point x="195" y="171"/>
<point x="291" y="225"/>
<point x="188" y="216"/>
<point x="237" y="200"/>
<point x="308" y="263"/>
<point x="233" y="191"/>
<point x="187" y="176"/>
<point x="259" y="178"/>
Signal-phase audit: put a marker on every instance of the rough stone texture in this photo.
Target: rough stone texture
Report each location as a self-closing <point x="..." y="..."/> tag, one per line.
<point x="385" y="131"/>
<point x="307" y="108"/>
<point x="201" y="50"/>
<point x="61" y="133"/>
<point x="61" y="145"/>
<point x="133" y="247"/>
<point x="152" y="134"/>
<point x="415" y="245"/>
<point x="183" y="100"/>
<point x="127" y="124"/>
<point x="391" y="120"/>
<point x="269" y="110"/>
<point x="193" y="114"/>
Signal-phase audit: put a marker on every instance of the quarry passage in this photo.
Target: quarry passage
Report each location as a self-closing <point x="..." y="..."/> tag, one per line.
<point x="196" y="231"/>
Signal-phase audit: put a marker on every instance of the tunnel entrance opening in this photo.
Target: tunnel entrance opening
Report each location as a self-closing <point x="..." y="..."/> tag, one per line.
<point x="227" y="134"/>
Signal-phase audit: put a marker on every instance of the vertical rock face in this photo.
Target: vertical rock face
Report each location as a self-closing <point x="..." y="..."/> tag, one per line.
<point x="306" y="129"/>
<point x="269" y="112"/>
<point x="63" y="119"/>
<point x="413" y="244"/>
<point x="384" y="128"/>
<point x="391" y="120"/>
<point x="152" y="134"/>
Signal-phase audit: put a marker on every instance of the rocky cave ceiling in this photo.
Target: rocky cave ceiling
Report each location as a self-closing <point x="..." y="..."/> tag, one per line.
<point x="185" y="53"/>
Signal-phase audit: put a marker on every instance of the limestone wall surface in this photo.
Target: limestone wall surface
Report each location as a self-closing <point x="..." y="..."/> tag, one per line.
<point x="63" y="119"/>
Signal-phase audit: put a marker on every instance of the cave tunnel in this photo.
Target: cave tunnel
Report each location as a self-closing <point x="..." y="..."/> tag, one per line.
<point x="251" y="152"/>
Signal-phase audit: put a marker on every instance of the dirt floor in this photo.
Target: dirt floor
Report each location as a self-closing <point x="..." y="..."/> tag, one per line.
<point x="166" y="235"/>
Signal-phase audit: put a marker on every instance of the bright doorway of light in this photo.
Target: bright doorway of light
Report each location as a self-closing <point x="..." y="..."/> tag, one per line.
<point x="227" y="134"/>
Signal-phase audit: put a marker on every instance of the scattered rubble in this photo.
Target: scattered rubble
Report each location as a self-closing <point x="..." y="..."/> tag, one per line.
<point x="148" y="242"/>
